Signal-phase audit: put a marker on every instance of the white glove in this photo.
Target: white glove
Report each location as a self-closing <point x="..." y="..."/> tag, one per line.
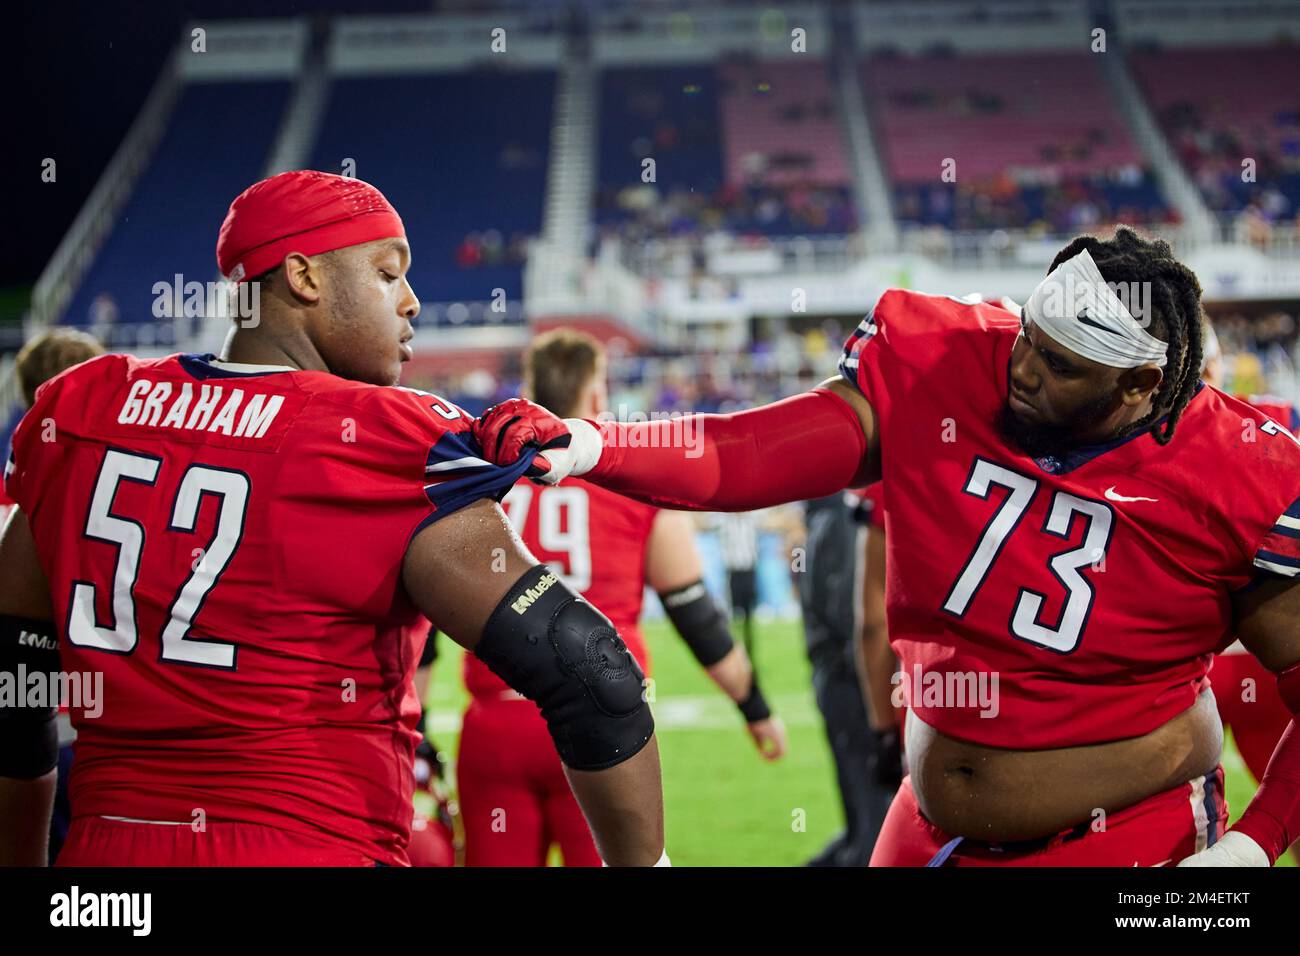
<point x="1231" y="849"/>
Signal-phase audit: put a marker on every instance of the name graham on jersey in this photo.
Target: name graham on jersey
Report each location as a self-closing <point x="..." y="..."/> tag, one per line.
<point x="210" y="408"/>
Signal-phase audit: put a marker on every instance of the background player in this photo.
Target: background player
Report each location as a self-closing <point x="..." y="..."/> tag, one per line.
<point x="41" y="359"/>
<point x="1015" y="439"/>
<point x="1244" y="690"/>
<point x="738" y="542"/>
<point x="241" y="547"/>
<point x="433" y="832"/>
<point x="513" y="799"/>
<point x="828" y="589"/>
<point x="38" y="361"/>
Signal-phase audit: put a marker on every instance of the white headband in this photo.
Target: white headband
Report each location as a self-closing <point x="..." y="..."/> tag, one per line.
<point x="1076" y="307"/>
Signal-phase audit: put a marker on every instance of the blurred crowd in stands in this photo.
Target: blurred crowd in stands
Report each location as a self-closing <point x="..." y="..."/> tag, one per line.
<point x="491" y="248"/>
<point x="1036" y="201"/>
<point x="1260" y="354"/>
<point x="640" y="212"/>
<point x="686" y="380"/>
<point x="1214" y="152"/>
<point x="1260" y="358"/>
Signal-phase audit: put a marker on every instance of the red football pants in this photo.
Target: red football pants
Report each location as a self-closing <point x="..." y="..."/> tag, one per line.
<point x="1158" y="831"/>
<point x="514" y="798"/>
<point x="99" y="841"/>
<point x="1257" y="724"/>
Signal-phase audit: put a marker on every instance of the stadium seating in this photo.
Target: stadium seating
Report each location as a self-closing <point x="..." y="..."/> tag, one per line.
<point x="170" y="223"/>
<point x="437" y="145"/>
<point x="784" y="149"/>
<point x="669" y="114"/>
<point x="751" y="147"/>
<point x="1219" y="106"/>
<point x="1034" y="138"/>
<point x="781" y="112"/>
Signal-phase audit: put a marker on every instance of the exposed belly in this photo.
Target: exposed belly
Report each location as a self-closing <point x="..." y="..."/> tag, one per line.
<point x="987" y="793"/>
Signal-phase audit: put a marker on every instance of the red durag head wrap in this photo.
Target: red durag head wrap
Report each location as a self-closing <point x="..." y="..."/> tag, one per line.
<point x="303" y="211"/>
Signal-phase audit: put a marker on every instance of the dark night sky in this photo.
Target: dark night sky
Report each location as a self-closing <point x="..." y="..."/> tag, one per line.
<point x="82" y="71"/>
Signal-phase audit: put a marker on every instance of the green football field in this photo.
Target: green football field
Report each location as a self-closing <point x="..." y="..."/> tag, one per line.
<point x="724" y="806"/>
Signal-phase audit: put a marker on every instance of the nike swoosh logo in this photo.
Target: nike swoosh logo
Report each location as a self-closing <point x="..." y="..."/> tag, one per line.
<point x="1110" y="493"/>
<point x="1083" y="317"/>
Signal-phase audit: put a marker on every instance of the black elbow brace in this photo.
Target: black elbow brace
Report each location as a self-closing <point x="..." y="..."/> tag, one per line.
<point x="29" y="736"/>
<point x="700" y="622"/>
<point x="560" y="652"/>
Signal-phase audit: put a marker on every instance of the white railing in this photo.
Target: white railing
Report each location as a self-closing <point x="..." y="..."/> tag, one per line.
<point x="77" y="251"/>
<point x="870" y="180"/>
<point x="724" y="255"/>
<point x="1276" y="240"/>
<point x="1011" y="248"/>
<point x="559" y="280"/>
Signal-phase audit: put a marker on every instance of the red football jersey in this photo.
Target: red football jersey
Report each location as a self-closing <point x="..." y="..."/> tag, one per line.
<point x="226" y="548"/>
<point x="1282" y="413"/>
<point x="1038" y="603"/>
<point x="1278" y="409"/>
<point x="596" y="540"/>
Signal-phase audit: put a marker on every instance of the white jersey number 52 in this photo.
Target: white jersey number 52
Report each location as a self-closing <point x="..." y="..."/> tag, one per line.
<point x="122" y="635"/>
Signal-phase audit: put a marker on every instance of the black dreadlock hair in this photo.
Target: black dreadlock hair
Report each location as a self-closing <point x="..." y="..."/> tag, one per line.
<point x="1176" y="318"/>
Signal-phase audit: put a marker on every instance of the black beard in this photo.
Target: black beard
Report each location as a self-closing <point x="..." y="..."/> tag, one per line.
<point x="1044" y="439"/>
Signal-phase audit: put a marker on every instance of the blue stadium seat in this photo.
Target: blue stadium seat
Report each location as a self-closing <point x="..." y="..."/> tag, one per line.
<point x="215" y="146"/>
<point x="456" y="154"/>
<point x="667" y="113"/>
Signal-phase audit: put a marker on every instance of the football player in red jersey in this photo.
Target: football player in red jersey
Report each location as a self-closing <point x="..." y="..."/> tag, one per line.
<point x="235" y="552"/>
<point x="433" y="837"/>
<point x="1247" y="696"/>
<point x="38" y="361"/>
<point x="1084" y="527"/>
<point x="513" y="800"/>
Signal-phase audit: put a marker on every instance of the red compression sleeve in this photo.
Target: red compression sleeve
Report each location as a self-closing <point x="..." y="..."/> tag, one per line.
<point x="1273" y="818"/>
<point x="799" y="448"/>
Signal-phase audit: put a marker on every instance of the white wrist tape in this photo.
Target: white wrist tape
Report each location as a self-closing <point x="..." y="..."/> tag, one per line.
<point x="585" y="445"/>
<point x="580" y="457"/>
<point x="663" y="859"/>
<point x="1231" y="849"/>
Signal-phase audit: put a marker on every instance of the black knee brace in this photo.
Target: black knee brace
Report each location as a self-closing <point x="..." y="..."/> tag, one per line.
<point x="560" y="652"/>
